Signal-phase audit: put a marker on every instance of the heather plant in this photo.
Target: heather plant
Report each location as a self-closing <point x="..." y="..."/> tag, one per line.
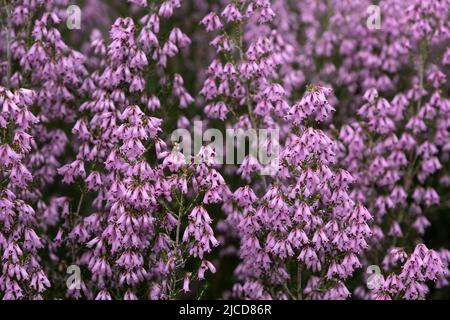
<point x="99" y="198"/>
<point x="150" y="216"/>
<point x="302" y="239"/>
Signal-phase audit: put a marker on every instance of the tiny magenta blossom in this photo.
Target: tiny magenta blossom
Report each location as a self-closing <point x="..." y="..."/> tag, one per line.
<point x="98" y="188"/>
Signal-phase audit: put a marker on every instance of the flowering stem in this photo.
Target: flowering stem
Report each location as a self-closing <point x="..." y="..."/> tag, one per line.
<point x="289" y="292"/>
<point x="73" y="216"/>
<point x="80" y="202"/>
<point x="180" y="217"/>
<point x="409" y="176"/>
<point x="299" y="282"/>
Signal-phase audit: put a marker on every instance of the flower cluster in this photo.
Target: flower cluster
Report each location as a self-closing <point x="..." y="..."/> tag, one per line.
<point x="21" y="274"/>
<point x="305" y="219"/>
<point x="423" y="265"/>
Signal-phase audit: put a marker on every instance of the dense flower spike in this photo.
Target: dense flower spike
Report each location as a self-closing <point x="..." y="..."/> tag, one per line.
<point x="21" y="274"/>
<point x="306" y="218"/>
